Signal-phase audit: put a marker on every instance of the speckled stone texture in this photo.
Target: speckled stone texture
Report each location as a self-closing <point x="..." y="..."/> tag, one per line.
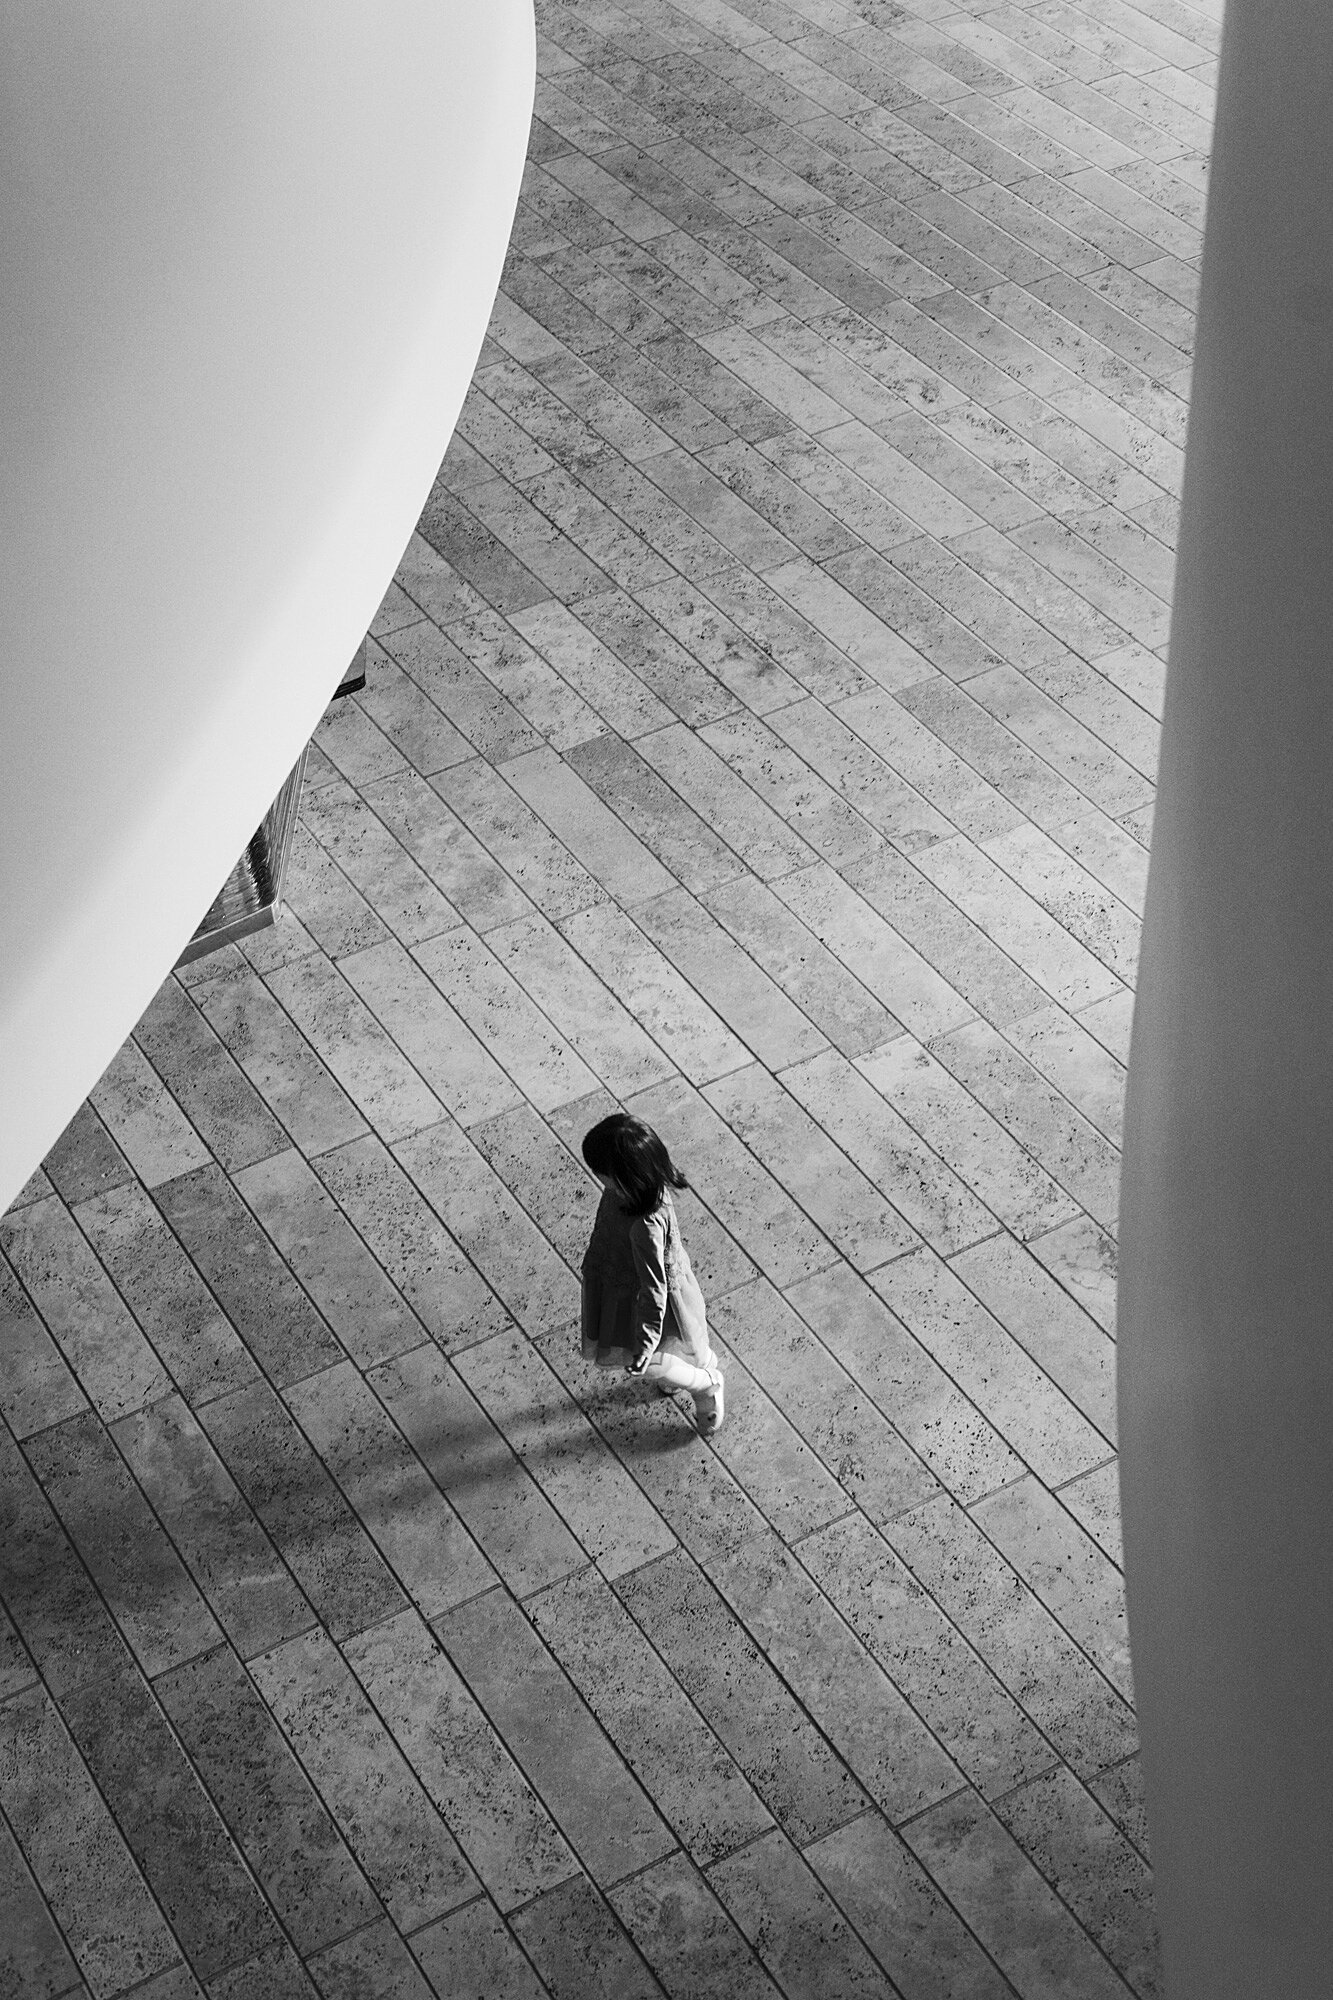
<point x="760" y="732"/>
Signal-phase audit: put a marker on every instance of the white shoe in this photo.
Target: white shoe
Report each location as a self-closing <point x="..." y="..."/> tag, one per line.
<point x="710" y="1404"/>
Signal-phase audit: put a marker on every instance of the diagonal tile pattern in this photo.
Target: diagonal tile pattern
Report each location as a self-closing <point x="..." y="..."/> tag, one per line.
<point x="760" y="732"/>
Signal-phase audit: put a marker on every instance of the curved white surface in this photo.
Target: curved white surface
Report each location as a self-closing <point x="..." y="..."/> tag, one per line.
<point x="249" y="255"/>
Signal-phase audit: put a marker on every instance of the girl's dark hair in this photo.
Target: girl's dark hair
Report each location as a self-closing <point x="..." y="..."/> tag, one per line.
<point x="630" y="1153"/>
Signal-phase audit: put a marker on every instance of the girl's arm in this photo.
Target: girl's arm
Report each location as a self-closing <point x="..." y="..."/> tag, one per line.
<point x="648" y="1242"/>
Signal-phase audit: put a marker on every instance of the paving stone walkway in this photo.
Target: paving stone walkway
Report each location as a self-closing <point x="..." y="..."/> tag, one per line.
<point x="760" y="733"/>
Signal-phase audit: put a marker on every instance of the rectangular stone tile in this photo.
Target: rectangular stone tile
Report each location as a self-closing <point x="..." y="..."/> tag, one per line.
<point x="1029" y="1933"/>
<point x="448" y="1295"/>
<point x="680" y="681"/>
<point x="320" y="1538"/>
<point x="763" y="615"/>
<point x="378" y="1078"/>
<point x="16" y="1667"/>
<point x="588" y="828"/>
<point x="545" y="1173"/>
<point x="690" y="1942"/>
<point x="132" y="1562"/>
<point x="1033" y="1416"/>
<point x="833" y="1193"/>
<point x="1093" y="1868"/>
<point x="225" y="1109"/>
<point x="830" y="995"/>
<point x="333" y="915"/>
<point x="353" y="745"/>
<point x="1083" y="1257"/>
<point x="1076" y="1155"/>
<point x="1059" y="964"/>
<point x="451" y="855"/>
<point x="651" y="989"/>
<point x="619" y="695"/>
<point x="748" y="1201"/>
<point x="256" y="1290"/>
<point x="995" y="755"/>
<point x="434" y="1037"/>
<point x="930" y="765"/>
<point x="192" y="1336"/>
<point x="504" y="1019"/>
<point x="798" y="1932"/>
<point x="275" y="1973"/>
<point x="1068" y="1699"/>
<point x="1061" y="1048"/>
<point x="37" y="1387"/>
<point x="869" y="782"/>
<point x="1094" y="1502"/>
<point x="34" y="1960"/>
<point x="922" y="1402"/>
<point x="975" y="1719"/>
<point x="34" y="1188"/>
<point x="1110" y="1022"/>
<point x="925" y="1190"/>
<point x="913" y="1931"/>
<point x="583" y="1481"/>
<point x="750" y="827"/>
<point x="963" y="1132"/>
<point x="1066" y="1569"/>
<point x="672" y="1751"/>
<point x="718" y="968"/>
<point x="169" y="1824"/>
<point x="46" y="1589"/>
<point x="244" y="1580"/>
<point x="318" y="1243"/>
<point x="85" y="1159"/>
<point x="374" y="1964"/>
<point x="825" y="1405"/>
<point x="541" y="865"/>
<point x="455" y="687"/>
<point x="472" y="1955"/>
<point x="503" y="1828"/>
<point x="783" y="780"/>
<point x="851" y="1699"/>
<point x="911" y="989"/>
<point x="541" y="697"/>
<point x="503" y="1508"/>
<point x="691" y="851"/>
<point x="1121" y="1792"/>
<point x="585" y="1011"/>
<point x="1069" y="1346"/>
<point x="267" y="1801"/>
<point x="279" y="1062"/>
<point x="803" y="1782"/>
<point x="397" y="1836"/>
<point x="600" y="1808"/>
<point x="411" y="720"/>
<point x="891" y="660"/>
<point x="80" y="1308"/>
<point x="106" y="1914"/>
<point x="482" y="1216"/>
<point x="654" y="1438"/>
<point x="394" y="1498"/>
<point x="580" y="1949"/>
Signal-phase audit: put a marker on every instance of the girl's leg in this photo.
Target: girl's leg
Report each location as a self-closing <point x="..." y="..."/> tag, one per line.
<point x="704" y="1384"/>
<point x="680" y="1373"/>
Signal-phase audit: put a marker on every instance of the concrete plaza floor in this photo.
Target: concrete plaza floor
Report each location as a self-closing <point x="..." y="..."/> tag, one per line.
<point x="760" y="733"/>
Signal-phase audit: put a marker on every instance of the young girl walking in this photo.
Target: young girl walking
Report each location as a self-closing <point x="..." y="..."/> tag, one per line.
<point x="642" y="1307"/>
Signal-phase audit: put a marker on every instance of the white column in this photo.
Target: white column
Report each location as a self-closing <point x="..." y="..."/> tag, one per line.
<point x="1226" y="1297"/>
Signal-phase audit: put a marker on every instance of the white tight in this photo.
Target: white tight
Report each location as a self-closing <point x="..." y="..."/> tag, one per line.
<point x="679" y="1372"/>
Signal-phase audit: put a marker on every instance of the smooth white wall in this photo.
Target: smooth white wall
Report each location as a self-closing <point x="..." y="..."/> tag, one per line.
<point x="1226" y="1298"/>
<point x="249" y="254"/>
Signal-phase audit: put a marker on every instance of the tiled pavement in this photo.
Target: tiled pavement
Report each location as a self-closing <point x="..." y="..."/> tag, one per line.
<point x="760" y="732"/>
